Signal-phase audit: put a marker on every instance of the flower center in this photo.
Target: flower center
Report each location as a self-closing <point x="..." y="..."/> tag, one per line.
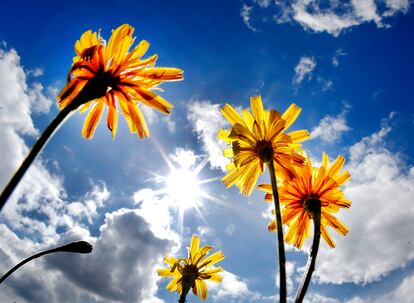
<point x="190" y="274"/>
<point x="312" y="204"/>
<point x="264" y="151"/>
<point x="97" y="86"/>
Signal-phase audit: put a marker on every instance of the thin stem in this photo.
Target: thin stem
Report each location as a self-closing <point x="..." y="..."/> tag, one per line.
<point x="182" y="298"/>
<point x="37" y="147"/>
<point x="312" y="256"/>
<point x="280" y="241"/>
<point x="80" y="247"/>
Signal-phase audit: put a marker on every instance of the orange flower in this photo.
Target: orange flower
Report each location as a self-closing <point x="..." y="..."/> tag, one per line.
<point x="258" y="137"/>
<point x="108" y="74"/>
<point x="307" y="186"/>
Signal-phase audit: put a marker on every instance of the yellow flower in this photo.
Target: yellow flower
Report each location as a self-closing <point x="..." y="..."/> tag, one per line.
<point x="298" y="195"/>
<point x="258" y="137"/>
<point x="192" y="271"/>
<point x="106" y="74"/>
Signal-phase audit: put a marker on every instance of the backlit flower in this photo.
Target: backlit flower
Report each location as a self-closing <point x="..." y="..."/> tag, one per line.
<point x="109" y="74"/>
<point x="258" y="137"/>
<point x="308" y="188"/>
<point x="191" y="272"/>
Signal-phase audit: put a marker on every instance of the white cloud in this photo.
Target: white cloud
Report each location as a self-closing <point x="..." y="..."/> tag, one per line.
<point x="303" y="69"/>
<point x="206" y="121"/>
<point x="263" y="3"/>
<point x="121" y="268"/>
<point x="35" y="72"/>
<point x="338" y="53"/>
<point x="232" y="289"/>
<point x="333" y="17"/>
<point x="245" y="13"/>
<point x="396" y="6"/>
<point x="230" y="229"/>
<point x="366" y="10"/>
<point x="331" y="128"/>
<point x="327" y="84"/>
<point x="290" y="277"/>
<point x="380" y="219"/>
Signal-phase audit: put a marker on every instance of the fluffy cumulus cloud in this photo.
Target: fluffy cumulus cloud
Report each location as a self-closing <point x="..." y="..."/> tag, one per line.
<point x="121" y="268"/>
<point x="333" y="17"/>
<point x="331" y="128"/>
<point x="303" y="69"/>
<point x="235" y="289"/>
<point x="206" y="121"/>
<point x="403" y="293"/>
<point x="128" y="245"/>
<point x="380" y="218"/>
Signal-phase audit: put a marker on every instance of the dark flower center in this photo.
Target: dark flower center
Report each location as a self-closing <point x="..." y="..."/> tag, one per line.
<point x="190" y="274"/>
<point x="264" y="151"/>
<point x="312" y="204"/>
<point x="97" y="86"/>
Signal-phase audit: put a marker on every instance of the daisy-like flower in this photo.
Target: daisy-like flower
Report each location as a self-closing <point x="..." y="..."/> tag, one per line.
<point x="109" y="74"/>
<point x="309" y="189"/>
<point x="257" y="138"/>
<point x="191" y="272"/>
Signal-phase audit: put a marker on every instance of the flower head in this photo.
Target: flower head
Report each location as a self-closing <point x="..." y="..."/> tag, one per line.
<point x="109" y="74"/>
<point x="258" y="138"/>
<point x="312" y="187"/>
<point x="192" y="271"/>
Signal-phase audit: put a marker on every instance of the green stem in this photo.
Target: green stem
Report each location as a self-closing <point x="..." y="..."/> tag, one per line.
<point x="280" y="241"/>
<point x="8" y="190"/>
<point x="183" y="295"/>
<point x="312" y="256"/>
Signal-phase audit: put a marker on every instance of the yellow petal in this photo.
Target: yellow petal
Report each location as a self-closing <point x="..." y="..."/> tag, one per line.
<point x="92" y="120"/>
<point x="257" y="109"/>
<point x="201" y="289"/>
<point x="231" y="114"/>
<point x="153" y="100"/>
<point x="336" y="166"/>
<point x="291" y="114"/>
<point x="119" y="43"/>
<point x="194" y="246"/>
<point x="213" y="259"/>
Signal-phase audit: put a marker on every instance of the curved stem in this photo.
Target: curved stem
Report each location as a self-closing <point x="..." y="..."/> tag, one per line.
<point x="80" y="247"/>
<point x="37" y="147"/>
<point x="280" y="241"/>
<point x="312" y="256"/>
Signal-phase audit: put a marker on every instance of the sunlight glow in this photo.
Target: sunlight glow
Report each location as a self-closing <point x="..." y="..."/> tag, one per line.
<point x="182" y="186"/>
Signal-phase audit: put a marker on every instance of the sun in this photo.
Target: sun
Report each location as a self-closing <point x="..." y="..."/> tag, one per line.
<point x="183" y="188"/>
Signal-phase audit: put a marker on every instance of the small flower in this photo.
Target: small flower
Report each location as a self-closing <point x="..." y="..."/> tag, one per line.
<point x="107" y="74"/>
<point x="256" y="139"/>
<point x="312" y="187"/>
<point x="192" y="271"/>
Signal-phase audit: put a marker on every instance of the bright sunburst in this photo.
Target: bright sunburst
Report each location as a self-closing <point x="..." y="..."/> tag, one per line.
<point x="183" y="188"/>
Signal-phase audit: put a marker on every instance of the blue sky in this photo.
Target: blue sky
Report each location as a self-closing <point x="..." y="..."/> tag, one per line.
<point x="348" y="64"/>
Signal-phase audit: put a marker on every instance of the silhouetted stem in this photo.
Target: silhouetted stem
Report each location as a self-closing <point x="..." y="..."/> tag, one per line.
<point x="37" y="147"/>
<point x="182" y="298"/>
<point x="81" y="247"/>
<point x="280" y="241"/>
<point x="312" y="256"/>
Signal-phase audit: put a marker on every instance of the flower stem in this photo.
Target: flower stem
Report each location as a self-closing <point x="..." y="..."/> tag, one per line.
<point x="37" y="147"/>
<point x="280" y="241"/>
<point x="50" y="251"/>
<point x="312" y="256"/>
<point x="182" y="298"/>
